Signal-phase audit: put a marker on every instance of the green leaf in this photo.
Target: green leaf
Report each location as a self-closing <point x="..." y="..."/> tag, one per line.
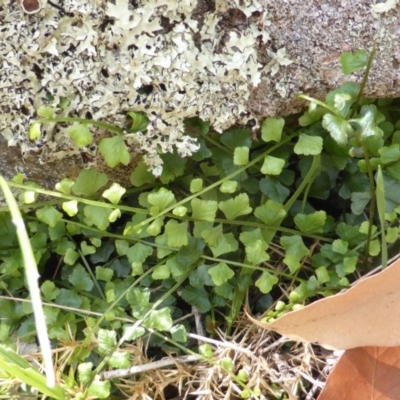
<point x="64" y="103"/>
<point x="256" y="252"/>
<point x="266" y="282"/>
<point x="314" y="114"/>
<point x="177" y="233"/>
<point x="106" y="340"/>
<point x="89" y="182"/>
<point x="339" y="129"/>
<point x="98" y="216"/>
<point x="138" y="253"/>
<point x="141" y="175"/>
<point x="49" y="215"/>
<point x="49" y="290"/>
<point x="80" y="134"/>
<point x="190" y="254"/>
<point x="154" y="228"/>
<point x="392" y="234"/>
<point x="139" y="121"/>
<point x="390" y="154"/>
<point x="162" y="248"/>
<point x="249" y="237"/>
<point x="208" y="170"/>
<point x="343" y="97"/>
<point x="235" y="207"/>
<point x="173" y="166"/>
<point x="159" y="320"/>
<point x="99" y="389"/>
<point x="68" y="298"/>
<point x="353" y="61"/>
<point x="272" y="188"/>
<point x="374" y="248"/>
<point x="161" y="272"/>
<point x="311" y="223"/>
<point x="221" y="273"/>
<point x="348" y="266"/>
<point x="196" y="185"/>
<point x="270" y="213"/>
<point x="179" y="211"/>
<point x="119" y="359"/>
<point x="225" y="244"/>
<point x="197" y="125"/>
<point x="295" y="251"/>
<point x="201" y="277"/>
<point x="45" y="112"/>
<point x="227" y="364"/>
<point x="322" y="275"/>
<point x="367" y="122"/>
<point x="203" y="151"/>
<point x="139" y="299"/>
<point x="204" y="210"/>
<point x="178" y="333"/>
<point x="104" y="274"/>
<point x="34" y="131"/>
<point x="394" y="170"/>
<point x="161" y="199"/>
<point x="206" y="350"/>
<point x="359" y="201"/>
<point x="87" y="249"/>
<point x="271" y="129"/>
<point x="212" y="235"/>
<point x="114" y="193"/>
<point x="114" y="215"/>
<point x="308" y="145"/>
<point x="121" y="246"/>
<point x="103" y="253"/>
<point x="70" y="207"/>
<point x="236" y="138"/>
<point x="18" y="178"/>
<point x="114" y="151"/>
<point x="340" y="246"/>
<point x="63" y="245"/>
<point x="299" y="293"/>
<point x="198" y="297"/>
<point x="137" y="269"/>
<point x="228" y="187"/>
<point x="132" y="332"/>
<point x="272" y="165"/>
<point x="392" y="190"/>
<point x="70" y="256"/>
<point x="85" y="373"/>
<point x="243" y="376"/>
<point x="80" y="279"/>
<point x="8" y="237"/>
<point x="364" y="227"/>
<point x="351" y="183"/>
<point x="241" y="155"/>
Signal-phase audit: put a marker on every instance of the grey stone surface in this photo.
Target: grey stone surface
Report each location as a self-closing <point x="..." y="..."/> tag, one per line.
<point x="315" y="33"/>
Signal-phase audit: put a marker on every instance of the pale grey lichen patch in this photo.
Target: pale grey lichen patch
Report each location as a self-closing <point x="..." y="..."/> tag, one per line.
<point x="108" y="57"/>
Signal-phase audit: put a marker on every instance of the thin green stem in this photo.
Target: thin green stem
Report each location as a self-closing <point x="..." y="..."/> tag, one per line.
<point x="364" y="81"/>
<point x="84" y="121"/>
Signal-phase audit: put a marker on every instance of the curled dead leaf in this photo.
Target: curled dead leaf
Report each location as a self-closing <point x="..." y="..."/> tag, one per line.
<point x="367" y="314"/>
<point x="368" y="373"/>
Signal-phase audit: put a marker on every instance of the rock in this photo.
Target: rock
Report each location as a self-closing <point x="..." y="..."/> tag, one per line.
<point x="228" y="62"/>
<point x="314" y="35"/>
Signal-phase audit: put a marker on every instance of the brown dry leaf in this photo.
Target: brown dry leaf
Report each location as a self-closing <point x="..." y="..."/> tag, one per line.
<point x="367" y="314"/>
<point x="365" y="373"/>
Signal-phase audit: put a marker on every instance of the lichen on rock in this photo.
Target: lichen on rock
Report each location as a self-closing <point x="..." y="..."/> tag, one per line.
<point x="171" y="60"/>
